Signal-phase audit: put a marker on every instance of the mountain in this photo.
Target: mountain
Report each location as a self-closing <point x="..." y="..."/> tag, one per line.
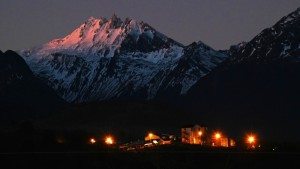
<point x="258" y="86"/>
<point x="233" y="49"/>
<point x="114" y="59"/>
<point x="278" y="43"/>
<point x="21" y="94"/>
<point x="197" y="60"/>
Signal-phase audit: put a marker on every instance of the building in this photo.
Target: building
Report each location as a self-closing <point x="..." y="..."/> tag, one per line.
<point x="223" y="142"/>
<point x="194" y="134"/>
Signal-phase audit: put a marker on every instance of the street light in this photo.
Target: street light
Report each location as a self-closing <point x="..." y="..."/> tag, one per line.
<point x="251" y="141"/>
<point x="109" y="140"/>
<point x="217" y="138"/>
<point x="92" y="141"/>
<point x="150" y="136"/>
<point x="200" y="134"/>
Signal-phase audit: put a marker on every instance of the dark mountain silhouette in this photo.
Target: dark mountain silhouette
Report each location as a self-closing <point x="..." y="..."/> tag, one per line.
<point x="258" y="87"/>
<point x="23" y="96"/>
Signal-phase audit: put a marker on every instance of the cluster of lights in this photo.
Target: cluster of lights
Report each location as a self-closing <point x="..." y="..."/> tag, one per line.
<point x="108" y="140"/>
<point x="151" y="140"/>
<point x="250" y="140"/>
<point x="92" y="141"/>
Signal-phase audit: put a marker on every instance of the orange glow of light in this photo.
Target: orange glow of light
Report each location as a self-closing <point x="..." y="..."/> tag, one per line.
<point x="92" y="141"/>
<point x="109" y="140"/>
<point x="217" y="135"/>
<point x="251" y="139"/>
<point x="150" y="136"/>
<point x="60" y="140"/>
<point x="200" y="133"/>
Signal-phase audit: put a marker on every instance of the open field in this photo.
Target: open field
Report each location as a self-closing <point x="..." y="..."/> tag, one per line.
<point x="150" y="160"/>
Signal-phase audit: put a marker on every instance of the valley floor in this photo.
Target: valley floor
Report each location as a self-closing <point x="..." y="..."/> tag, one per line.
<point x="151" y="160"/>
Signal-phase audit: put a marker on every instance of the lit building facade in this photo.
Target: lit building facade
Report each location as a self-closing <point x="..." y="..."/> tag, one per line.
<point x="223" y="142"/>
<point x="194" y="134"/>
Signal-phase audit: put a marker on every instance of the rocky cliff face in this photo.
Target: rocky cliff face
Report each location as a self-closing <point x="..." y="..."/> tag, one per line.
<point x="275" y="44"/>
<point x="110" y="58"/>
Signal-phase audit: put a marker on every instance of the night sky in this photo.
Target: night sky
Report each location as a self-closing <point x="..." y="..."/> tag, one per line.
<point x="218" y="23"/>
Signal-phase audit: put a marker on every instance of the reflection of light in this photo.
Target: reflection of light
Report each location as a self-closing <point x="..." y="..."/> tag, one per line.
<point x="109" y="140"/>
<point x="155" y="141"/>
<point x="92" y="141"/>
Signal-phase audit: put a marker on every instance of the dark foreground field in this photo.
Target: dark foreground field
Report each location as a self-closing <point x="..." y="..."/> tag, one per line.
<point x="150" y="160"/>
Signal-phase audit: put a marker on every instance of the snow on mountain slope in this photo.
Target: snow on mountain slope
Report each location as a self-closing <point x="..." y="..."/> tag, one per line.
<point x="105" y="59"/>
<point x="280" y="42"/>
<point x="197" y="61"/>
<point x="258" y="85"/>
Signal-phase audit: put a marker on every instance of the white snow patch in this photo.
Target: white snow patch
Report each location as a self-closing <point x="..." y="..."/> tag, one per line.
<point x="268" y="51"/>
<point x="149" y="34"/>
<point x="284" y="51"/>
<point x="253" y="50"/>
<point x="288" y="19"/>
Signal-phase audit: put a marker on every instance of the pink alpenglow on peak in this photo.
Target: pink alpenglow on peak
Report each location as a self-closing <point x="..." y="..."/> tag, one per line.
<point x="111" y="58"/>
<point x="96" y="34"/>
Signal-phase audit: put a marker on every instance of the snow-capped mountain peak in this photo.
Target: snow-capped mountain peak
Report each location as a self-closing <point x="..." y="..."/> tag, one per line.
<point x="97" y="36"/>
<point x="111" y="58"/>
<point x="115" y="22"/>
<point x="92" y="34"/>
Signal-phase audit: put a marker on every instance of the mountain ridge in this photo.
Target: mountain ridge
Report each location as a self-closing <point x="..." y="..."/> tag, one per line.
<point x="281" y="39"/>
<point x="257" y="86"/>
<point x="255" y="89"/>
<point x="21" y="94"/>
<point x="107" y="59"/>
